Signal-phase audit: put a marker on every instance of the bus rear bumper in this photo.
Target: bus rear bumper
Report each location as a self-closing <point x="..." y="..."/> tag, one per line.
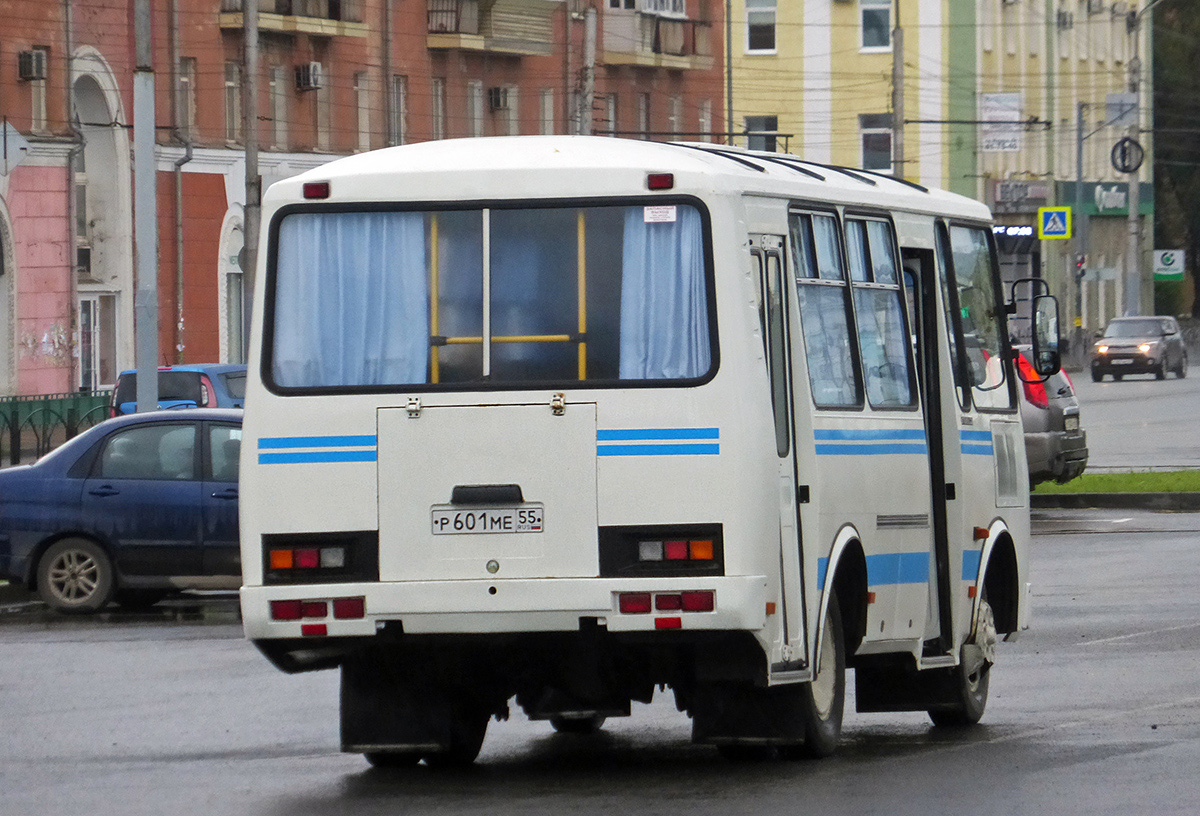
<point x="483" y="607"/>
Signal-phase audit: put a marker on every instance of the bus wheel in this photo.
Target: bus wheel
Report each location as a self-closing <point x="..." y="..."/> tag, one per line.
<point x="392" y="759"/>
<point x="971" y="676"/>
<point x="467" y="730"/>
<point x="823" y="700"/>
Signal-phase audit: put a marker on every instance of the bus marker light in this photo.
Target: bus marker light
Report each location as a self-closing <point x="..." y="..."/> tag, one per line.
<point x="310" y="629"/>
<point x="344" y="608"/>
<point x="668" y="603"/>
<point x="650" y="551"/>
<point x="285" y="610"/>
<point x="699" y="601"/>
<point x="981" y="533"/>
<point x="316" y="189"/>
<point x="634" y="603"/>
<point x="307" y="559"/>
<point x="281" y="559"/>
<point x="971" y="591"/>
<point x="700" y="550"/>
<point x="770" y="608"/>
<point x="870" y="597"/>
<point x="668" y="623"/>
<point x="675" y="550"/>
<point x="660" y="181"/>
<point x="313" y="609"/>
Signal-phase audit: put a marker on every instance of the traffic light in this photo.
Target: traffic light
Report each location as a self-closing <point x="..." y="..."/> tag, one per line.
<point x="1080" y="265"/>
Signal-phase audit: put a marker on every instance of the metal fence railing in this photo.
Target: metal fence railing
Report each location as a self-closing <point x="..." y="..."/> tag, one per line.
<point x="31" y="426"/>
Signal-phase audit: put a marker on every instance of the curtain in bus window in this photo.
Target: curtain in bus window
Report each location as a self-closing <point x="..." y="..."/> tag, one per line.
<point x="827" y="345"/>
<point x="981" y="317"/>
<point x="829" y="255"/>
<point x="883" y="256"/>
<point x="664" y="312"/>
<point x="856" y="251"/>
<point x="352" y="300"/>
<point x="883" y="343"/>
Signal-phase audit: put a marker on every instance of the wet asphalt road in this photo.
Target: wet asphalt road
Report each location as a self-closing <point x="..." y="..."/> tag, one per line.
<point x="1096" y="710"/>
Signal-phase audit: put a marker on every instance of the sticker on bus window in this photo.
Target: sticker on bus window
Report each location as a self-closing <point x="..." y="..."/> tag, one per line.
<point x="659" y="214"/>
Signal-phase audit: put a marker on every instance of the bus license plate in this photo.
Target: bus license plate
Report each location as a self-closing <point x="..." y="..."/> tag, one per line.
<point x="525" y="518"/>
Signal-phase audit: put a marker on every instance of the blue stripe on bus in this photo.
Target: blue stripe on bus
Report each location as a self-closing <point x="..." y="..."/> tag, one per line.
<point x="975" y="436"/>
<point x="970" y="570"/>
<point x="887" y="570"/>
<point x="278" y="442"/>
<point x="869" y="450"/>
<point x="656" y="434"/>
<point x="978" y="450"/>
<point x="898" y="568"/>
<point x="657" y="450"/>
<point x="312" y="457"/>
<point x="871" y="435"/>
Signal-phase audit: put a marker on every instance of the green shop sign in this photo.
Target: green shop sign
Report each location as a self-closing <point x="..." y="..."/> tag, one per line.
<point x="1106" y="198"/>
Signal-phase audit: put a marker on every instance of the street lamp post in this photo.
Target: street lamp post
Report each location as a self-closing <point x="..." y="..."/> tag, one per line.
<point x="1133" y="276"/>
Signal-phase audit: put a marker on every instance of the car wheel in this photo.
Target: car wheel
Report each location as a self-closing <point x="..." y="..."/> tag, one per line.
<point x="1160" y="373"/>
<point x="1096" y="376"/>
<point x="75" y="576"/>
<point x="1117" y="377"/>
<point x="1181" y="372"/>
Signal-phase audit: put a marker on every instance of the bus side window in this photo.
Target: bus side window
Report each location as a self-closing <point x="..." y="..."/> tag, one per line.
<point x="825" y="317"/>
<point x="878" y="305"/>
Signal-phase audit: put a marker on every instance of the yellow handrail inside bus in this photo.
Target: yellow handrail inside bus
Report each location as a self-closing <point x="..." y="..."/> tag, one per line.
<point x="433" y="296"/>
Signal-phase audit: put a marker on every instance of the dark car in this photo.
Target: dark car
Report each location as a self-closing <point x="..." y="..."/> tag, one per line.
<point x="204" y="385"/>
<point x="1139" y="345"/>
<point x="1055" y="444"/>
<point x="129" y="510"/>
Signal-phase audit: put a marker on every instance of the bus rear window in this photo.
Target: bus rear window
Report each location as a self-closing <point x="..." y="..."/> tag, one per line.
<point x="490" y="297"/>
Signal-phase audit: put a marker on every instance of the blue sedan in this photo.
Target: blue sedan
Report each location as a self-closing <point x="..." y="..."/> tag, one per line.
<point x="129" y="510"/>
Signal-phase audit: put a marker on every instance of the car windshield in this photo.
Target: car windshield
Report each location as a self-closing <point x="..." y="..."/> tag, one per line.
<point x="1134" y="328"/>
<point x="235" y="384"/>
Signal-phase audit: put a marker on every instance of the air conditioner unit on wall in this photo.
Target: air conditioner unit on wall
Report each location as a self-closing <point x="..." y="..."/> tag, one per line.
<point x="310" y="76"/>
<point x="32" y="64"/>
<point x="497" y="99"/>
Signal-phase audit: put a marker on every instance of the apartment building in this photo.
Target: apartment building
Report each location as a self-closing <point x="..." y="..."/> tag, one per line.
<point x="1007" y="101"/>
<point x="336" y="77"/>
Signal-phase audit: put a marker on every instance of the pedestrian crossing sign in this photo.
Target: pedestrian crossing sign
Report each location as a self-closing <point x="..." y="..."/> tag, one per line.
<point x="1054" y="223"/>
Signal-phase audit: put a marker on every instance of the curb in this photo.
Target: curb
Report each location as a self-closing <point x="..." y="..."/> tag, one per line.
<point x="1179" y="502"/>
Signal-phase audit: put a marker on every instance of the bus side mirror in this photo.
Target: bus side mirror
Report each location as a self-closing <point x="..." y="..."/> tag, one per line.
<point x="1046" y="358"/>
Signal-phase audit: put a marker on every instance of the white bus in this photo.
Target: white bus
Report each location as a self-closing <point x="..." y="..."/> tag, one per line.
<point x="561" y="420"/>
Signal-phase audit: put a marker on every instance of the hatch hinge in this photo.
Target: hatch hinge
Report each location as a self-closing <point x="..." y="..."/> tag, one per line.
<point x="414" y="407"/>
<point x="558" y="404"/>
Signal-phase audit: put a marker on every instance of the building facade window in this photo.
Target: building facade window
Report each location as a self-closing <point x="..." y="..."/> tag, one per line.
<point x="761" y="132"/>
<point x="398" y="126"/>
<point x="876" y="18"/>
<point x="512" y="119"/>
<point x="705" y="120"/>
<point x="474" y="107"/>
<point x="185" y="99"/>
<point x="324" y="97"/>
<point x="875" y="132"/>
<point x="676" y="114"/>
<point x="362" y="109"/>
<point x="610" y="113"/>
<point x="280" y="93"/>
<point x="437" y="94"/>
<point x="644" y="115"/>
<point x="760" y="26"/>
<point x="39" y="121"/>
<point x="97" y="341"/>
<point x="233" y="101"/>
<point x="546" y="111"/>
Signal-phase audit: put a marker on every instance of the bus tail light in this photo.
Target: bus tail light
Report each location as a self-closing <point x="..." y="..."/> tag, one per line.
<point x="634" y="603"/>
<point x="349" y="608"/>
<point x="285" y="610"/>
<point x="343" y="609"/>
<point x="692" y="600"/>
<point x="320" y="558"/>
<point x="700" y="601"/>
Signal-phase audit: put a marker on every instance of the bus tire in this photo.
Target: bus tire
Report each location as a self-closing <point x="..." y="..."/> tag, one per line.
<point x="970" y="683"/>
<point x="468" y="727"/>
<point x="823" y="700"/>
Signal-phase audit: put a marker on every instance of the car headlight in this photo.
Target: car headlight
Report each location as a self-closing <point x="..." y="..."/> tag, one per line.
<point x="1145" y="347"/>
<point x="1102" y="349"/>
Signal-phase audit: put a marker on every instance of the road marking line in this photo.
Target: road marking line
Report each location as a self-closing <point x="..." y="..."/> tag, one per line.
<point x="1140" y="634"/>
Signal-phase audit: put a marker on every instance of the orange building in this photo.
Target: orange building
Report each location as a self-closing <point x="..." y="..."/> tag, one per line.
<point x="336" y="77"/>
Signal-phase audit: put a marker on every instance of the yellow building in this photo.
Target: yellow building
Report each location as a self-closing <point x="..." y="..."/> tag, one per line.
<point x="990" y="97"/>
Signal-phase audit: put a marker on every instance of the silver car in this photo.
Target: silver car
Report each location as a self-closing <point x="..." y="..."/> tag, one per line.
<point x="1139" y="345"/>
<point x="1055" y="443"/>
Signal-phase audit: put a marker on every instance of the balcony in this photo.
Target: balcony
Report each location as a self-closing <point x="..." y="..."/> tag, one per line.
<point x="519" y="27"/>
<point x="655" y="41"/>
<point x="321" y="18"/>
